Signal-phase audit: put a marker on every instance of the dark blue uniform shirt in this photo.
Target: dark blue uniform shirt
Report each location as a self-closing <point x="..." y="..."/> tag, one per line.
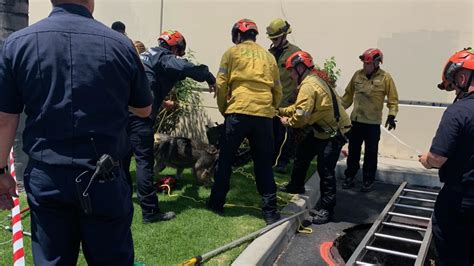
<point x="76" y="78"/>
<point x="455" y="141"/>
<point x="164" y="69"/>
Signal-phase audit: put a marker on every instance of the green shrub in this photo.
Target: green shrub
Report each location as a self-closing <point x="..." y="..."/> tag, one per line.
<point x="187" y="100"/>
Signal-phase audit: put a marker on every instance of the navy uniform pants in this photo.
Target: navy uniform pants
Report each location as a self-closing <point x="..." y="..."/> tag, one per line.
<point x="59" y="224"/>
<point x="327" y="152"/>
<point x="259" y="132"/>
<point x="140" y="131"/>
<point x="370" y="136"/>
<point x="453" y="225"/>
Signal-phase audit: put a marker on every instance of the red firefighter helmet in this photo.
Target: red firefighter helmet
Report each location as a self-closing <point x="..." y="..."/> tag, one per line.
<point x="299" y="57"/>
<point x="243" y="25"/>
<point x="371" y="55"/>
<point x="174" y="39"/>
<point x="461" y="60"/>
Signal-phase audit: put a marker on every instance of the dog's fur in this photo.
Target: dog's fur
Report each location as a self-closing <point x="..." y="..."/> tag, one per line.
<point x="180" y="153"/>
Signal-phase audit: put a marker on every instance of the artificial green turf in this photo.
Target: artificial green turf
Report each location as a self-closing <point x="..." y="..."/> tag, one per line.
<point x="195" y="230"/>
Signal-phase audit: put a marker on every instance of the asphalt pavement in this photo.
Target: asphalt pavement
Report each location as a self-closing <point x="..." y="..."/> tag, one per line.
<point x="353" y="207"/>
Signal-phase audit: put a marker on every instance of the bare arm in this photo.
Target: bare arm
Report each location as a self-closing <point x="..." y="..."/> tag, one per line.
<point x="140" y="112"/>
<point x="8" y="125"/>
<point x="431" y="160"/>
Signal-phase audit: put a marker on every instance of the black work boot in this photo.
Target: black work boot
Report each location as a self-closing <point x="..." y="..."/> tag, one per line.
<point x="215" y="209"/>
<point x="158" y="217"/>
<point x="367" y="186"/>
<point x="271" y="217"/>
<point x="269" y="208"/>
<point x="348" y="183"/>
<point x="293" y="189"/>
<point x="322" y="216"/>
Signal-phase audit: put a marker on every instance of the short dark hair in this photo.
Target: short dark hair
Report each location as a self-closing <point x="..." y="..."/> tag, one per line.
<point x="248" y="35"/>
<point x="118" y="26"/>
<point x="58" y="2"/>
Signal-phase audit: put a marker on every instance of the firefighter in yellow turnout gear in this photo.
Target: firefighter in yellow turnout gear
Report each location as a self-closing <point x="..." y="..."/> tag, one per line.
<point x="248" y="93"/>
<point x="367" y="90"/>
<point x="318" y="107"/>
<point x="281" y="48"/>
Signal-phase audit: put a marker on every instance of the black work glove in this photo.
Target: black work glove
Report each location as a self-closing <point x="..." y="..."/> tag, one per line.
<point x="391" y="122"/>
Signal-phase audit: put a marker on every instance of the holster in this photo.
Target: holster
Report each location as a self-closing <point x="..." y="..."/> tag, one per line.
<point x="341" y="138"/>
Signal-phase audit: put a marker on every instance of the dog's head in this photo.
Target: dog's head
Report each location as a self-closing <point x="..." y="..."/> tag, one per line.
<point x="205" y="169"/>
<point x="213" y="134"/>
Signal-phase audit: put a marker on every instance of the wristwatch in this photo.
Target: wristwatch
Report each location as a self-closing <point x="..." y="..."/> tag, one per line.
<point x="4" y="170"/>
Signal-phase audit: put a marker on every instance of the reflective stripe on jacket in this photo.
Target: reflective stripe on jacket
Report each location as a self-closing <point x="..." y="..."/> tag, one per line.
<point x="368" y="96"/>
<point x="314" y="106"/>
<point x="248" y="81"/>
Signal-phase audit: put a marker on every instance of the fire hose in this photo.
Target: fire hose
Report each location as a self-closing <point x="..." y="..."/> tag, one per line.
<point x="196" y="260"/>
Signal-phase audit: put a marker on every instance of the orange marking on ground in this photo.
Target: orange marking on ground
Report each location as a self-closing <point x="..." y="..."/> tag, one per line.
<point x="325" y="250"/>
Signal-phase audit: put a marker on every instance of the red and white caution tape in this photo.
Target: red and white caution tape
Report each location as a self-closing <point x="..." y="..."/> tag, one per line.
<point x="17" y="229"/>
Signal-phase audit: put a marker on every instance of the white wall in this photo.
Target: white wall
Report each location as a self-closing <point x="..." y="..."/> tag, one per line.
<point x="416" y="37"/>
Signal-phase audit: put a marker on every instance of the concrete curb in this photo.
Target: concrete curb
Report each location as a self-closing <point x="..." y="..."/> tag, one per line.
<point x="395" y="171"/>
<point x="265" y="249"/>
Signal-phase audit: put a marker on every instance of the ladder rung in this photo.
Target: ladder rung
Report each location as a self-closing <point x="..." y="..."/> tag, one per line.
<point x="364" y="263"/>
<point x="403" y="239"/>
<point x="392" y="252"/>
<point x="404" y="226"/>
<point x="420" y="191"/>
<point x="414" y="207"/>
<point x="417" y="199"/>
<point x="410" y="216"/>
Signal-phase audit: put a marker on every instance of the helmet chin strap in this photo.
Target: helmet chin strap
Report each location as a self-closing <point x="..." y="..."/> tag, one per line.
<point x="279" y="45"/>
<point x="301" y="75"/>
<point x="282" y="42"/>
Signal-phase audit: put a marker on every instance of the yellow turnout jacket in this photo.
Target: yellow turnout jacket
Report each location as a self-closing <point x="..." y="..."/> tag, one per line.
<point x="248" y="81"/>
<point x="368" y="96"/>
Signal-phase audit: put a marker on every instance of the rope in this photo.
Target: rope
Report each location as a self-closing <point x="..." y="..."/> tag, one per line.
<point x="6" y="242"/>
<point x="240" y="170"/>
<point x="303" y="229"/>
<point x="417" y="152"/>
<point x="281" y="148"/>
<point x="243" y="206"/>
<point x="168" y="188"/>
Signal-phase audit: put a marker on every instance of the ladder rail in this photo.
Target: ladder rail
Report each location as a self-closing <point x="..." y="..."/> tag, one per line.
<point x="364" y="263"/>
<point x="415" y="217"/>
<point x="392" y="252"/>
<point x="425" y="245"/>
<point x="383" y="220"/>
<point x="404" y="226"/>
<point x="398" y="238"/>
<point x="361" y="248"/>
<point x="421" y="192"/>
<point x="417" y="199"/>
<point x="414" y="207"/>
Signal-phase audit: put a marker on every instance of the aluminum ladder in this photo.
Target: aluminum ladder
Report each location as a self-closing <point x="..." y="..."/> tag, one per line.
<point x="399" y="214"/>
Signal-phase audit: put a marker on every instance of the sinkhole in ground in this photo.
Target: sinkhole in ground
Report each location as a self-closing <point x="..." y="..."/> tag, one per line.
<point x="347" y="243"/>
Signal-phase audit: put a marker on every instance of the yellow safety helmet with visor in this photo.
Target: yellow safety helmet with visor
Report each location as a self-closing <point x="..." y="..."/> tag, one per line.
<point x="278" y="27"/>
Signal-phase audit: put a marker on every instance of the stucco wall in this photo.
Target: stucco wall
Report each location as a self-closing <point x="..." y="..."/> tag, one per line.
<point x="416" y="36"/>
